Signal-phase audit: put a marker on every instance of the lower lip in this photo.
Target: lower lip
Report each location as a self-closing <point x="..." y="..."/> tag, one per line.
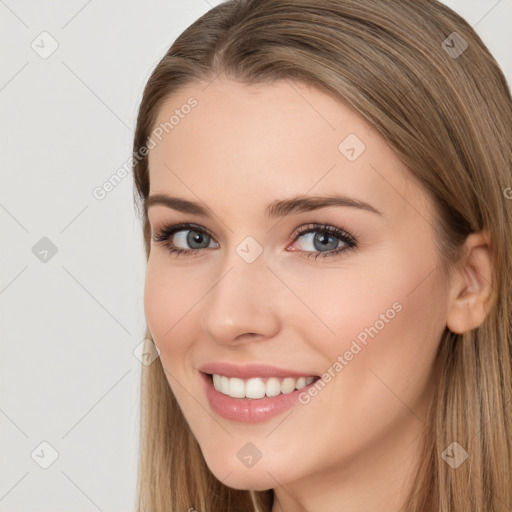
<point x="248" y="410"/>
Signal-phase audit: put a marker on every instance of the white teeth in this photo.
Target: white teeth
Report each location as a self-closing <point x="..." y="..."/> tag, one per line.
<point x="224" y="385"/>
<point x="236" y="388"/>
<point x="301" y="382"/>
<point x="272" y="387"/>
<point x="288" y="385"/>
<point x="256" y="387"/>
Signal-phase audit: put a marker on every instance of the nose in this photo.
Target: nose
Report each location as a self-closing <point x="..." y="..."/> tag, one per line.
<point x="242" y="304"/>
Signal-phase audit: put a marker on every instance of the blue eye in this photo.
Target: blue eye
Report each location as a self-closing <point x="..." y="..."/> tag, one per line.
<point x="331" y="238"/>
<point x="327" y="240"/>
<point x="196" y="237"/>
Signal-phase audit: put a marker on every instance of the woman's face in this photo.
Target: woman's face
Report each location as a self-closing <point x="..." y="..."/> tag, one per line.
<point x="351" y="292"/>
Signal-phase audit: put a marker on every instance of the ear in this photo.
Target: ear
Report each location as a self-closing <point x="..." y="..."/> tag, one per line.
<point x="471" y="285"/>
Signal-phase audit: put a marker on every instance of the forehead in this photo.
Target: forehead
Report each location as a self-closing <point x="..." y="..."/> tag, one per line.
<point x="252" y="141"/>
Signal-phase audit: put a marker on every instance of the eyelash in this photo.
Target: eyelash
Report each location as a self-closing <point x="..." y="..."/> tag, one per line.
<point x="164" y="234"/>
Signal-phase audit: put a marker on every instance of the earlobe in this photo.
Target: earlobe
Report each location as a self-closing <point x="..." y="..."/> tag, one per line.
<point x="471" y="286"/>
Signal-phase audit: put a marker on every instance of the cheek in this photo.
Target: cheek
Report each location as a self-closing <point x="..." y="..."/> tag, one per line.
<point x="388" y="331"/>
<point x="378" y="361"/>
<point x="156" y="304"/>
<point x="171" y="317"/>
<point x="377" y="328"/>
<point x="391" y="303"/>
<point x="341" y="305"/>
<point x="168" y="304"/>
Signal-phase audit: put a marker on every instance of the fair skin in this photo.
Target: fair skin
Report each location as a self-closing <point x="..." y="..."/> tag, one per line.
<point x="355" y="445"/>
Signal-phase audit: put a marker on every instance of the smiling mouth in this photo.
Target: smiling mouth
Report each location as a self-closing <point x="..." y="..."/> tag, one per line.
<point x="259" y="387"/>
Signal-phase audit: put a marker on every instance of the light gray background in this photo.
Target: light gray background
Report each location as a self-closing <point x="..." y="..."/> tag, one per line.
<point x="69" y="325"/>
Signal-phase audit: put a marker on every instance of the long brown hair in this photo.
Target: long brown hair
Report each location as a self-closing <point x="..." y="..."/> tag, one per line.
<point x="444" y="106"/>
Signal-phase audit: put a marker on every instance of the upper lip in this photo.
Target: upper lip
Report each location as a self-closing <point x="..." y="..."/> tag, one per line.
<point x="250" y="370"/>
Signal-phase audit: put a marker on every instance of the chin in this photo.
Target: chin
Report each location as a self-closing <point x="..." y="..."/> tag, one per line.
<point x="260" y="481"/>
<point x="234" y="474"/>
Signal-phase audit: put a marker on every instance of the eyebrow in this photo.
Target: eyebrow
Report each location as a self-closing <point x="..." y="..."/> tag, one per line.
<point x="278" y="208"/>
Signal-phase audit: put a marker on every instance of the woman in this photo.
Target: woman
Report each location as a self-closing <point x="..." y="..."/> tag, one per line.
<point x="325" y="192"/>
